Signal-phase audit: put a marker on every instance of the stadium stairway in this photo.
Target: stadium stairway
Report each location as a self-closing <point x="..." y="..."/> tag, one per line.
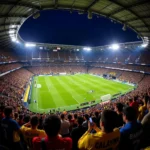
<point x="142" y="78"/>
<point x="119" y="74"/>
<point x="29" y="70"/>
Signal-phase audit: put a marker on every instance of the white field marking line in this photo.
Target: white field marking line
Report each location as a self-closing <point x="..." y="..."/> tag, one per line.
<point x="75" y="100"/>
<point x="72" y="92"/>
<point x="69" y="92"/>
<point x="49" y="89"/>
<point x="36" y="99"/>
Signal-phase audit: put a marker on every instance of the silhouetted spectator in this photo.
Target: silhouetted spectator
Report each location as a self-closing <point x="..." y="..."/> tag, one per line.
<point x="10" y="130"/>
<point x="20" y="120"/>
<point x="64" y="131"/>
<point x="77" y="133"/>
<point x="132" y="132"/>
<point x="146" y="126"/>
<point x="85" y="123"/>
<point x="119" y="109"/>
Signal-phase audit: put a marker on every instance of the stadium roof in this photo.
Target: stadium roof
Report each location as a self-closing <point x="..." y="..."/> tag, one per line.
<point x="131" y="13"/>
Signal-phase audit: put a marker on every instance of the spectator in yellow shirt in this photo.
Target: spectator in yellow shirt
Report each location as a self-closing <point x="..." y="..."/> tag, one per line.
<point x="29" y="131"/>
<point x="143" y="108"/>
<point x="106" y="138"/>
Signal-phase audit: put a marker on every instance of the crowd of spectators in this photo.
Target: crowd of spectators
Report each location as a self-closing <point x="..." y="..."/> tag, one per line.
<point x="111" y="125"/>
<point x="13" y="86"/>
<point x="7" y="56"/>
<point x="55" y="69"/>
<point x="123" y="123"/>
<point x="7" y="67"/>
<point x="123" y="66"/>
<point x="73" y="130"/>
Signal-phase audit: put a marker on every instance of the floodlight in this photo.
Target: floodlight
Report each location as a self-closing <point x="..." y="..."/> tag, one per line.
<point x="144" y="45"/>
<point x="12" y="35"/>
<point x="77" y="49"/>
<point x="12" y="26"/>
<point x="30" y="45"/>
<point x="115" y="46"/>
<point x="87" y="48"/>
<point x="58" y="48"/>
<point x="40" y="47"/>
<point x="13" y="39"/>
<point x="11" y="31"/>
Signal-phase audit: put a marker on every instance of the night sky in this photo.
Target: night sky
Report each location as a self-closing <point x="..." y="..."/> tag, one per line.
<point x="62" y="27"/>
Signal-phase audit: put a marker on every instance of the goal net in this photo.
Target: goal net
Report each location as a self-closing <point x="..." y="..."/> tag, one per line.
<point x="105" y="98"/>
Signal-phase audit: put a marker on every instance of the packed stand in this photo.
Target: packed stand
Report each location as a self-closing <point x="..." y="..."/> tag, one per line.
<point x="7" y="56"/>
<point x="13" y="84"/>
<point x="8" y="67"/>
<point x="107" y="125"/>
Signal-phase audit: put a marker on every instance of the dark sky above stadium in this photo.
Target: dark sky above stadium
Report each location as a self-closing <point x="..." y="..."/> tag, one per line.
<point x="62" y="27"/>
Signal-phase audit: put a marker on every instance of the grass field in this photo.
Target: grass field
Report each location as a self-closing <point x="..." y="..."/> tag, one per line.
<point x="68" y="92"/>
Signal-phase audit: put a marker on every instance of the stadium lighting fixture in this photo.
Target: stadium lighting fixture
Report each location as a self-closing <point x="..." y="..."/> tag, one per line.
<point x="115" y="46"/>
<point x="12" y="26"/>
<point x="40" y="47"/>
<point x="87" y="49"/>
<point x="144" y="45"/>
<point x="12" y="35"/>
<point x="77" y="49"/>
<point x="58" y="48"/>
<point x="13" y="39"/>
<point x="11" y="31"/>
<point x="30" y="45"/>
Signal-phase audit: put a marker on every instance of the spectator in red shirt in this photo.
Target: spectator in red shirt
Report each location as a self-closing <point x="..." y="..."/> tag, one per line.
<point x="135" y="104"/>
<point x="52" y="125"/>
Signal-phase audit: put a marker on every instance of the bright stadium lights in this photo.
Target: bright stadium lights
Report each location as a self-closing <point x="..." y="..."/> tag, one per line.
<point x="87" y="49"/>
<point x="11" y="31"/>
<point x="40" y="47"/>
<point x="12" y="26"/>
<point x="12" y="35"/>
<point x="115" y="46"/>
<point x="30" y="45"/>
<point x="13" y="39"/>
<point x="58" y="48"/>
<point x="77" y="49"/>
<point x="144" y="45"/>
